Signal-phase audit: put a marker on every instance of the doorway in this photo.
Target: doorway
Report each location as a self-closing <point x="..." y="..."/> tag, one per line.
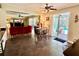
<point x="33" y="22"/>
<point x="61" y="25"/>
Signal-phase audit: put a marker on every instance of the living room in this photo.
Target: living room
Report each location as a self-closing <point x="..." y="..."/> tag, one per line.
<point x="19" y="21"/>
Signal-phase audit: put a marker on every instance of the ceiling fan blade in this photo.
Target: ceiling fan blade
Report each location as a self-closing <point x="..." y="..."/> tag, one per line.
<point x="53" y="9"/>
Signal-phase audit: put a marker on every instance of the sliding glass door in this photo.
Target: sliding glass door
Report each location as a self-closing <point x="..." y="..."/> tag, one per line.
<point x="61" y="25"/>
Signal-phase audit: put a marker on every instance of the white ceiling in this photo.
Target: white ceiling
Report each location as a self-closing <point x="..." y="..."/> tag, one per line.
<point x="35" y="7"/>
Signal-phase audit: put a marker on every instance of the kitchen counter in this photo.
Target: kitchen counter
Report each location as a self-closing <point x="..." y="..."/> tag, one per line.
<point x="72" y="50"/>
<point x="1" y="34"/>
<point x="3" y="38"/>
<point x="2" y="31"/>
<point x="1" y="42"/>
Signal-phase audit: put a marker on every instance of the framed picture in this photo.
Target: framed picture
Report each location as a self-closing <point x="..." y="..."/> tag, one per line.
<point x="47" y="18"/>
<point x="76" y="18"/>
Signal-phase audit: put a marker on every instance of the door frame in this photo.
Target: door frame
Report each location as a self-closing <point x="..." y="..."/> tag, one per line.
<point x="59" y="14"/>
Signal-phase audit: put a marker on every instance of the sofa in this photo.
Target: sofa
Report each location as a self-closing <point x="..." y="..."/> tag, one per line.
<point x="20" y="30"/>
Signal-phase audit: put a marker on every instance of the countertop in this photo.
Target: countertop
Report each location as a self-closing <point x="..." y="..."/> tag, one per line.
<point x="1" y="34"/>
<point x="72" y="50"/>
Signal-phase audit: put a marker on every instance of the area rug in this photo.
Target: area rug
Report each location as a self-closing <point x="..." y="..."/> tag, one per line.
<point x="60" y="40"/>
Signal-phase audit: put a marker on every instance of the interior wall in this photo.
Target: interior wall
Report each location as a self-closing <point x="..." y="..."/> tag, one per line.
<point x="2" y="18"/>
<point x="26" y="21"/>
<point x="73" y="27"/>
<point x="45" y="23"/>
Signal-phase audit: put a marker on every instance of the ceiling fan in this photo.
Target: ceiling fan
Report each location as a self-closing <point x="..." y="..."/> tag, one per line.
<point x="48" y="7"/>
